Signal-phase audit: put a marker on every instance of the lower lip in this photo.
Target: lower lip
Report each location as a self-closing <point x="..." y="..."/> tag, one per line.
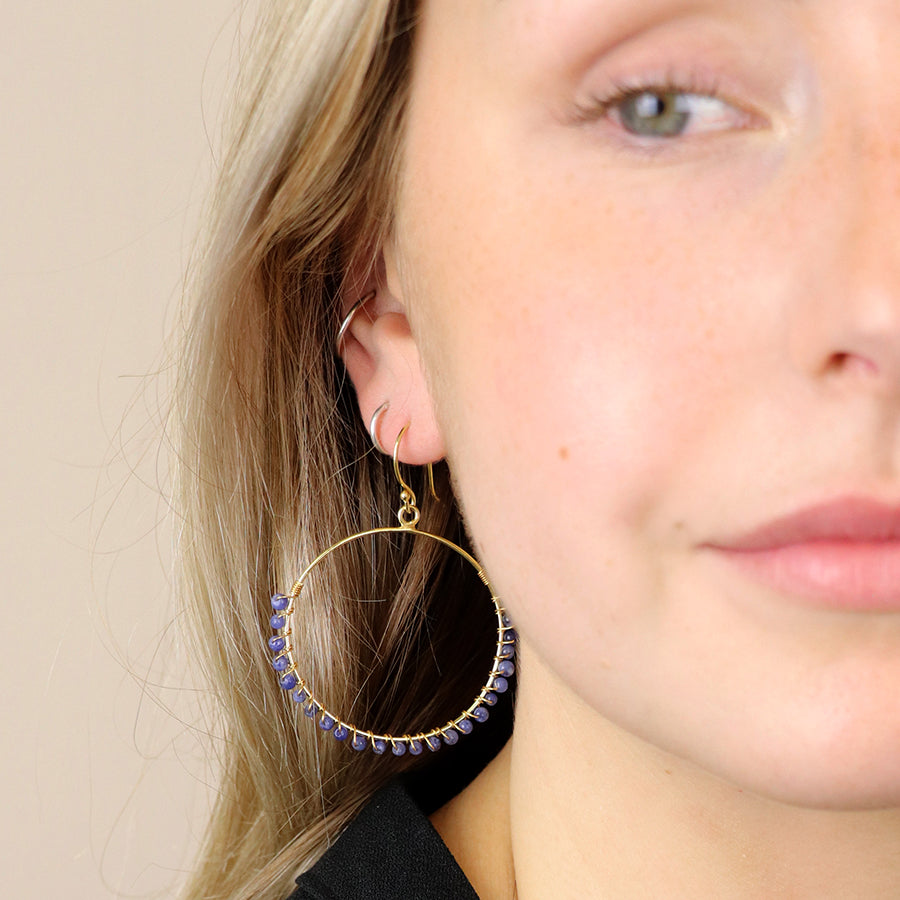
<point x="860" y="576"/>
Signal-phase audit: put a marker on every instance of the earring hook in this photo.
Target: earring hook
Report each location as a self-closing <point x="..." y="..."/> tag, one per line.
<point x="407" y="496"/>
<point x="408" y="514"/>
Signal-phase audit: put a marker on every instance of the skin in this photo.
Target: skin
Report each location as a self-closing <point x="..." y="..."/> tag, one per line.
<point x="625" y="356"/>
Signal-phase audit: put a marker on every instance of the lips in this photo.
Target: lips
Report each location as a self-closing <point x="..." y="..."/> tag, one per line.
<point x="843" y="554"/>
<point x="850" y="519"/>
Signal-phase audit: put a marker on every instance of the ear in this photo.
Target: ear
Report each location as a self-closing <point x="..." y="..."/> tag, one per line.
<point x="382" y="360"/>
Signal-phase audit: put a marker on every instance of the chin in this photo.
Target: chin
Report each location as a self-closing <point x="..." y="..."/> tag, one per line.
<point x="832" y="790"/>
<point x="857" y="770"/>
<point x="799" y="755"/>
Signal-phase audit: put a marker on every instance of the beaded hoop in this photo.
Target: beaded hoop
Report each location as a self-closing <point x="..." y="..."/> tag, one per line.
<point x="285" y="664"/>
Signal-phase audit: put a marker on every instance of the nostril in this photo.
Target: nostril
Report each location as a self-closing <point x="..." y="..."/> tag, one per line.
<point x="850" y="362"/>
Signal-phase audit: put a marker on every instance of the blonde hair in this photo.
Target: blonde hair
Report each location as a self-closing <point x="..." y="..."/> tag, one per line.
<point x="275" y="465"/>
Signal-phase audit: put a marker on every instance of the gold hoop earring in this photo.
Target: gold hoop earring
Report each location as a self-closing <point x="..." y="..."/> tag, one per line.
<point x="289" y="679"/>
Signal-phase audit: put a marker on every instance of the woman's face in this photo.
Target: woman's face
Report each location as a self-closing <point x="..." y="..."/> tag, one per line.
<point x="653" y="327"/>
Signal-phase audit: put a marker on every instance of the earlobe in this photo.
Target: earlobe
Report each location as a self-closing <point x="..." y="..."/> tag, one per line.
<point x="383" y="362"/>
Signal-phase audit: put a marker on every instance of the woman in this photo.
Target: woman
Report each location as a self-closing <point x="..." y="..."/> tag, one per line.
<point x="626" y="274"/>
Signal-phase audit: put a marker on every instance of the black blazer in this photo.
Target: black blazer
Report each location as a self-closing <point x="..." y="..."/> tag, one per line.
<point x="390" y="851"/>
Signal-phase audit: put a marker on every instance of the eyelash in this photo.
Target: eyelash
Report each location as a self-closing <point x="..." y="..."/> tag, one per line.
<point x="702" y="84"/>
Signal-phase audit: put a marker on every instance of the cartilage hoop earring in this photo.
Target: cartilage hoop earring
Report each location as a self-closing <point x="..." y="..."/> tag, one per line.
<point x="285" y="606"/>
<point x="345" y="323"/>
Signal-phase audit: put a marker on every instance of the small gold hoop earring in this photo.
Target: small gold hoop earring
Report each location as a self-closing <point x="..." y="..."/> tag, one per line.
<point x="285" y="664"/>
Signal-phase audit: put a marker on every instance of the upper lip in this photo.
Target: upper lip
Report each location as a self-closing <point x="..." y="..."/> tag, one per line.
<point x="847" y="518"/>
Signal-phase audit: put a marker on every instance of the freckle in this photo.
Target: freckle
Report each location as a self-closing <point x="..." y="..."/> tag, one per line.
<point x="668" y="771"/>
<point x="563" y="452"/>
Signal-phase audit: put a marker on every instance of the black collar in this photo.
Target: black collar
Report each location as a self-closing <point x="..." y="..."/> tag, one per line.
<point x="391" y="851"/>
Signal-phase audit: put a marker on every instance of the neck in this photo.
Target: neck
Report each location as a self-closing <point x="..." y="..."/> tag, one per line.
<point x="576" y="807"/>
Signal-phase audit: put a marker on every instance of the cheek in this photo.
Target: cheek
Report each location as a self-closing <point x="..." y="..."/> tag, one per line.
<point x="582" y="362"/>
<point x="573" y="337"/>
<point x="578" y="378"/>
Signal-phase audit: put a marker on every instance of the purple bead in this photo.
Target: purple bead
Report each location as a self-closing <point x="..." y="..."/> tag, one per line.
<point x="509" y="634"/>
<point x="415" y="747"/>
<point x="340" y="732"/>
<point x="326" y="723"/>
<point x="310" y="710"/>
<point x="280" y="663"/>
<point x="464" y="726"/>
<point x="450" y="737"/>
<point x="280" y="602"/>
<point x="433" y="742"/>
<point x="288" y="681"/>
<point x="379" y="746"/>
<point x="489" y="699"/>
<point x="398" y="748"/>
<point x="277" y="644"/>
<point x="301" y="696"/>
<point x="506" y="651"/>
<point x="499" y="684"/>
<point x="358" y="742"/>
<point x="505" y="667"/>
<point x="277" y="622"/>
<point x="505" y="619"/>
<point x="480" y="714"/>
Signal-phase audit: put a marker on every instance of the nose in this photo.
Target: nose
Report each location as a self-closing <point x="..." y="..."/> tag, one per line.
<point x="849" y="329"/>
<point x="861" y="315"/>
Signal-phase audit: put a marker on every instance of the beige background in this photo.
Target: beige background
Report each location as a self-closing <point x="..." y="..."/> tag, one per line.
<point x="105" y="161"/>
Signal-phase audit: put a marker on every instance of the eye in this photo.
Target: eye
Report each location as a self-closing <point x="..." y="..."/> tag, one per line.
<point x="667" y="108"/>
<point x="667" y="112"/>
